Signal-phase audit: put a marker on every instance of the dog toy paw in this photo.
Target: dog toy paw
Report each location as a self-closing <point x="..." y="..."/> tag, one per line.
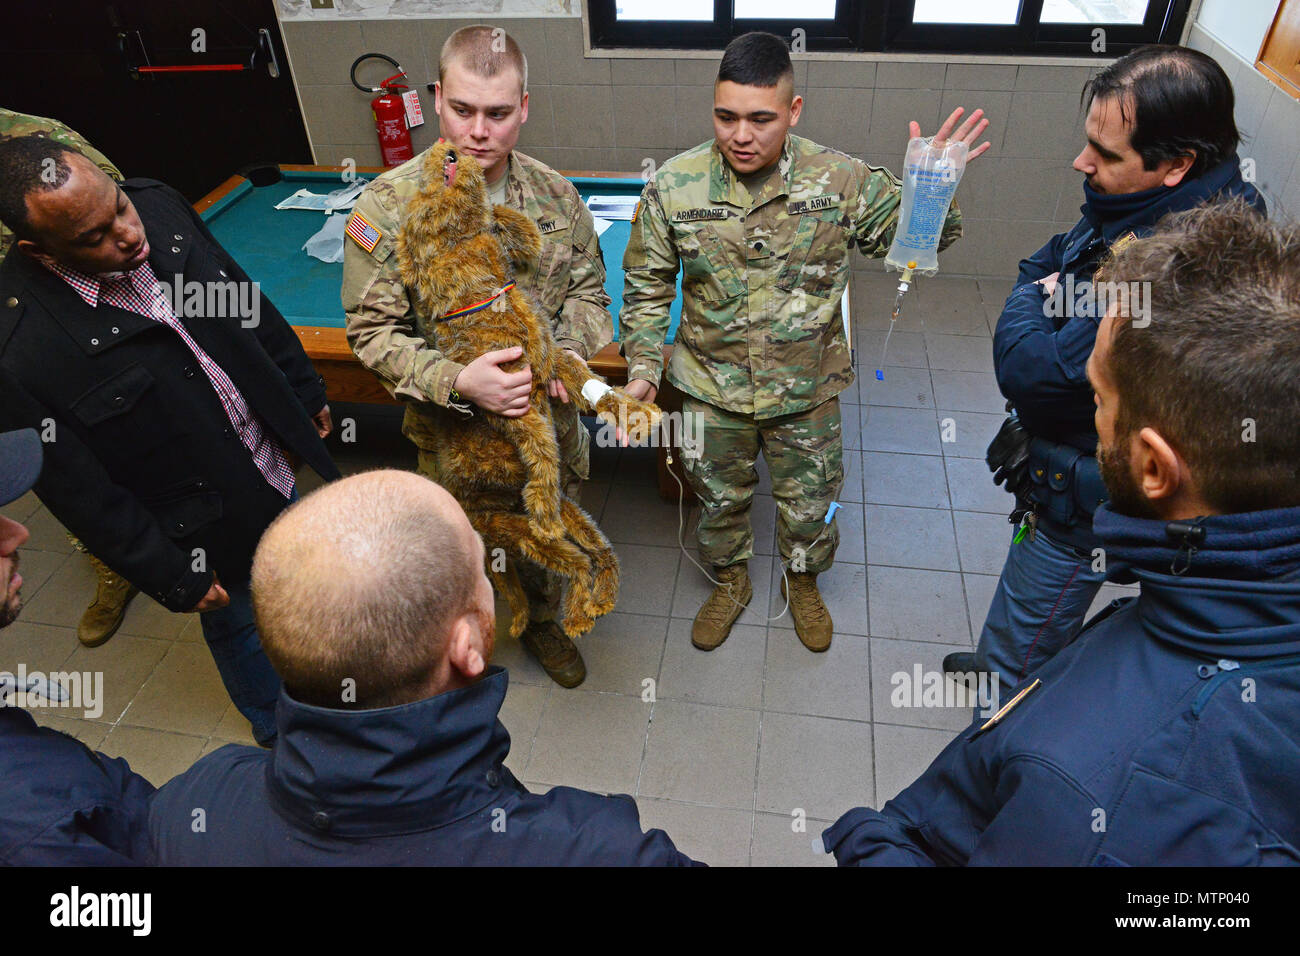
<point x="637" y="419"/>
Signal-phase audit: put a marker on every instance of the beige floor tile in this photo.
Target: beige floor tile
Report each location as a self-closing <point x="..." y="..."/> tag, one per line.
<point x="192" y="632"/>
<point x="126" y="663"/>
<point x="701" y="754"/>
<point x="729" y="676"/>
<point x="37" y="567"/>
<point x="711" y="835"/>
<point x="39" y="646"/>
<point x="154" y="754"/>
<point x="23" y="508"/>
<point x="622" y="652"/>
<point x="234" y="727"/>
<point x="64" y="596"/>
<point x="592" y="741"/>
<point x="813" y="764"/>
<point x="145" y="617"/>
<point x="522" y="714"/>
<point x="89" y="732"/>
<point x="784" y="840"/>
<point x="46" y="533"/>
<point x="902" y="755"/>
<point x="184" y="694"/>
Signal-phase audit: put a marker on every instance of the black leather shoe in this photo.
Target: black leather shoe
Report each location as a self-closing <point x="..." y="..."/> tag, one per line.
<point x="960" y="662"/>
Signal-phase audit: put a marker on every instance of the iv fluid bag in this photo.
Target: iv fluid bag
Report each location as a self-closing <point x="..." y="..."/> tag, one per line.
<point x="930" y="177"/>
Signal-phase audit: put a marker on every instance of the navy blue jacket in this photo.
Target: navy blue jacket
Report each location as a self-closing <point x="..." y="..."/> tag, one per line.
<point x="423" y="784"/>
<point x="1040" y="360"/>
<point x="1168" y="733"/>
<point x="63" y="804"/>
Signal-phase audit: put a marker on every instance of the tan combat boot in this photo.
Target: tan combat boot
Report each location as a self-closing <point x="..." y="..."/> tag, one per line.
<point x="812" y="622"/>
<point x="105" y="614"/>
<point x="555" y="651"/>
<point x="725" y="604"/>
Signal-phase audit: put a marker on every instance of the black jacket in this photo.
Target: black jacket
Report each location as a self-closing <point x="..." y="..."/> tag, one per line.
<point x="421" y="784"/>
<point x="141" y="461"/>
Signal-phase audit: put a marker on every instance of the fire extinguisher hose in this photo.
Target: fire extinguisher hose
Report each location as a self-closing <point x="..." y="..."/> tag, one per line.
<point x="387" y="86"/>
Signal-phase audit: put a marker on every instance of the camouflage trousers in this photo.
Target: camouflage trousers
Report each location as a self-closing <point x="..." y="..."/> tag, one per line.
<point x="805" y="457"/>
<point x="543" y="588"/>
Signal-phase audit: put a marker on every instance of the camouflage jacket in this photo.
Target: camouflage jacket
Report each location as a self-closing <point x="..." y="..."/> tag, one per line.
<point x="568" y="281"/>
<point x="761" y="331"/>
<point x="20" y="124"/>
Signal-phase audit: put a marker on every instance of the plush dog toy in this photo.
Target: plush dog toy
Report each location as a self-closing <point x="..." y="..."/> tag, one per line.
<point x="458" y="255"/>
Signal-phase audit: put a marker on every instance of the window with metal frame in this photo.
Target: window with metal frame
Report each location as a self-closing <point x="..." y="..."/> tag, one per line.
<point x="1101" y="28"/>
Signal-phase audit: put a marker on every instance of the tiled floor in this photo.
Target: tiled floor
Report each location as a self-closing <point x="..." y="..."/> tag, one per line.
<point x="743" y="755"/>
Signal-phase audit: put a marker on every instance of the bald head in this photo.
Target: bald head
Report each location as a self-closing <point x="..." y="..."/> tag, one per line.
<point x="361" y="589"/>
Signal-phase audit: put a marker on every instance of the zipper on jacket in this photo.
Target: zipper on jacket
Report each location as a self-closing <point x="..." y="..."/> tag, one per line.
<point x="1222" y="670"/>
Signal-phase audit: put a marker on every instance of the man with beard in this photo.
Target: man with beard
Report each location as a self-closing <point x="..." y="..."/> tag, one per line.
<point x="1160" y="138"/>
<point x="374" y="605"/>
<point x="62" y="804"/>
<point x="1169" y="732"/>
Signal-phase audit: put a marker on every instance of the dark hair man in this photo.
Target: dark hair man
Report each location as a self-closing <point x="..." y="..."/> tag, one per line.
<point x="1160" y="138"/>
<point x="170" y="393"/>
<point x="62" y="804"/>
<point x="374" y="605"/>
<point x="112" y="592"/>
<point x="761" y="223"/>
<point x="1169" y="732"/>
<point x="481" y="99"/>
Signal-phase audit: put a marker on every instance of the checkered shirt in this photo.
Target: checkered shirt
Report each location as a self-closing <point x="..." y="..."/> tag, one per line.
<point x="139" y="291"/>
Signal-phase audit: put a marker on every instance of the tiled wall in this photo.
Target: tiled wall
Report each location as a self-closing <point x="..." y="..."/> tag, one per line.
<point x="612" y="113"/>
<point x="1269" y="120"/>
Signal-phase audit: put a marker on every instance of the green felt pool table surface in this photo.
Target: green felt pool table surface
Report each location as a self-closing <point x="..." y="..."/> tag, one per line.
<point x="267" y="242"/>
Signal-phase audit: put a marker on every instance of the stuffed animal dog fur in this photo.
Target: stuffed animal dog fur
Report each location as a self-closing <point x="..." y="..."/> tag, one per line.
<point x="458" y="254"/>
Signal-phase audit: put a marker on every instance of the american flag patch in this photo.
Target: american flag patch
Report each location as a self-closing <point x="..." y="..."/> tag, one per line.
<point x="366" y="235"/>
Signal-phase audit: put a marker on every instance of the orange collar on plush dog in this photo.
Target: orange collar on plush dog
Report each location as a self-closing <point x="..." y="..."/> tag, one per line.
<point x="478" y="306"/>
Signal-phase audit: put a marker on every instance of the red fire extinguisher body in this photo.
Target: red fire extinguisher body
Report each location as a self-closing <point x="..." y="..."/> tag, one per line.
<point x="390" y="124"/>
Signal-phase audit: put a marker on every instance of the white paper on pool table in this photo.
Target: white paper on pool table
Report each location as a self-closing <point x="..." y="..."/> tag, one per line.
<point x="613" y="207"/>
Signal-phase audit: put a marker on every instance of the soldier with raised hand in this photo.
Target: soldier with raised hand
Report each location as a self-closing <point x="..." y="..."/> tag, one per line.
<point x="481" y="99"/>
<point x="113" y="592"/>
<point x="761" y="222"/>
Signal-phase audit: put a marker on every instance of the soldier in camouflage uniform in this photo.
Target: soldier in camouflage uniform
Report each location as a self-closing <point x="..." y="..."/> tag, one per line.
<point x="113" y="593"/>
<point x="481" y="116"/>
<point x="761" y="222"/>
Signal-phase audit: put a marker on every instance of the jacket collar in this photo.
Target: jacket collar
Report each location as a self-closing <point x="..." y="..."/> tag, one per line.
<point x="725" y="185"/>
<point x="1238" y="593"/>
<point x="1112" y="216"/>
<point x="391" y="770"/>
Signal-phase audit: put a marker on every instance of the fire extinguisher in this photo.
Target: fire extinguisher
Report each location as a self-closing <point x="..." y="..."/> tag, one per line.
<point x="389" y="112"/>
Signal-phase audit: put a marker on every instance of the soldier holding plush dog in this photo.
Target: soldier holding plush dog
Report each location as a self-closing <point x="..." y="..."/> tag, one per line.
<point x="482" y="101"/>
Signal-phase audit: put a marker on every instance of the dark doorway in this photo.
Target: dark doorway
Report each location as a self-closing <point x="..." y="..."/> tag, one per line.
<point x="65" y="59"/>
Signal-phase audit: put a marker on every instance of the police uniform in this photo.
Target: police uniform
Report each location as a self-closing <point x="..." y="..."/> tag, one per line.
<point x="760" y="353"/>
<point x="390" y="339"/>
<point x="20" y="124"/>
